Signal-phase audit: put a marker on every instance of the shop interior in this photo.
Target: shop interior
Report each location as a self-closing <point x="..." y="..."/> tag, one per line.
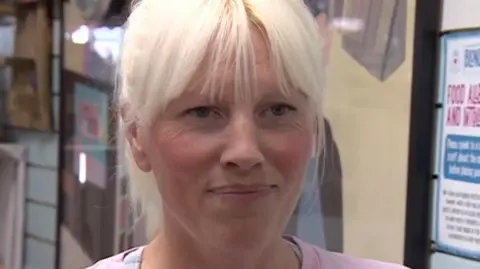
<point x="64" y="191"/>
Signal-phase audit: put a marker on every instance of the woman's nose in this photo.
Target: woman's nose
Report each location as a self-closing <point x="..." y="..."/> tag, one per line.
<point x="242" y="152"/>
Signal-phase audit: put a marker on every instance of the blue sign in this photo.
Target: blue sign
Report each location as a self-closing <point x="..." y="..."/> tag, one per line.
<point x="462" y="158"/>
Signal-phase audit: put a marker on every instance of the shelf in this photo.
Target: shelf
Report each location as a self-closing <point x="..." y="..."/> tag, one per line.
<point x="7" y="9"/>
<point x="11" y="8"/>
<point x="17" y="62"/>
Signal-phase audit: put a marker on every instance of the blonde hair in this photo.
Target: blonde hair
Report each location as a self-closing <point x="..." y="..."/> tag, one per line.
<point x="167" y="42"/>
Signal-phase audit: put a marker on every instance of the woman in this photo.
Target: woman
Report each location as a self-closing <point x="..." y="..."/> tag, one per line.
<point x="220" y="101"/>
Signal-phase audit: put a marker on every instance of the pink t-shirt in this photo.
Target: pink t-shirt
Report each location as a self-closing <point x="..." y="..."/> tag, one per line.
<point x="313" y="257"/>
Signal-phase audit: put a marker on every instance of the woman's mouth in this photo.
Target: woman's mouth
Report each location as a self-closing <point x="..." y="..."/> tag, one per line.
<point x="243" y="192"/>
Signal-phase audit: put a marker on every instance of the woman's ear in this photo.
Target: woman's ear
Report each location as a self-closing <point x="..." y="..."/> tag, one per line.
<point x="133" y="134"/>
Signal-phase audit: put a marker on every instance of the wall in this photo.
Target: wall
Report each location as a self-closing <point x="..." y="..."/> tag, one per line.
<point x="370" y="118"/>
<point x="457" y="15"/>
<point x="460" y="14"/>
<point x="369" y="56"/>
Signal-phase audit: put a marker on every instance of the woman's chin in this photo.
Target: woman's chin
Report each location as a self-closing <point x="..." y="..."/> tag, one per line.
<point x="236" y="234"/>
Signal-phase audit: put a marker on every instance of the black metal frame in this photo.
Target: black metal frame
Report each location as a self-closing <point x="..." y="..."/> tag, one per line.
<point x="421" y="141"/>
<point x="56" y="12"/>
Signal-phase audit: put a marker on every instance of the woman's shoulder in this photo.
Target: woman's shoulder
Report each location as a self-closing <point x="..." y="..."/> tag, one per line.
<point x="129" y="259"/>
<point x="313" y="258"/>
<point x="316" y="258"/>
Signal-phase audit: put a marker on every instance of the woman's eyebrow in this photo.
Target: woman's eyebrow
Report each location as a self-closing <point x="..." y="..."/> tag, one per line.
<point x="291" y="94"/>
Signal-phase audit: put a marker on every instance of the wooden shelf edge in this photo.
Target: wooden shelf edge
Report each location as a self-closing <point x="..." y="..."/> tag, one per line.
<point x="19" y="62"/>
<point x="11" y="8"/>
<point x="7" y="9"/>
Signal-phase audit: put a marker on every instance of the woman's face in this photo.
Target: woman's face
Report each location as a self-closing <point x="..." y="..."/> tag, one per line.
<point x="230" y="170"/>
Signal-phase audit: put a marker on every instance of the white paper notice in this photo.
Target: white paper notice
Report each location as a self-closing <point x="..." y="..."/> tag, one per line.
<point x="458" y="207"/>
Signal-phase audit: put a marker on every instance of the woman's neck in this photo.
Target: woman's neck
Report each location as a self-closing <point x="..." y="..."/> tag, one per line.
<point x="173" y="250"/>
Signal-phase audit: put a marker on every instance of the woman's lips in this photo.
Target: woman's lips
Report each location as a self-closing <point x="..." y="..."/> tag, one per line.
<point x="241" y="188"/>
<point x="243" y="193"/>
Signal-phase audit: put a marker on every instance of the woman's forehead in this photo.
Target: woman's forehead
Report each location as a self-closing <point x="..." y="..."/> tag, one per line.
<point x="266" y="88"/>
<point x="228" y="60"/>
<point x="255" y="78"/>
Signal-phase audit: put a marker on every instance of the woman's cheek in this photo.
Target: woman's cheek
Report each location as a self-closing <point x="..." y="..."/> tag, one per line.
<point x="289" y="153"/>
<point x="187" y="151"/>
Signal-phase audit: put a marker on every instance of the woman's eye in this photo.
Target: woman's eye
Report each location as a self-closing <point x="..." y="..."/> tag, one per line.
<point x="281" y="109"/>
<point x="201" y="112"/>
